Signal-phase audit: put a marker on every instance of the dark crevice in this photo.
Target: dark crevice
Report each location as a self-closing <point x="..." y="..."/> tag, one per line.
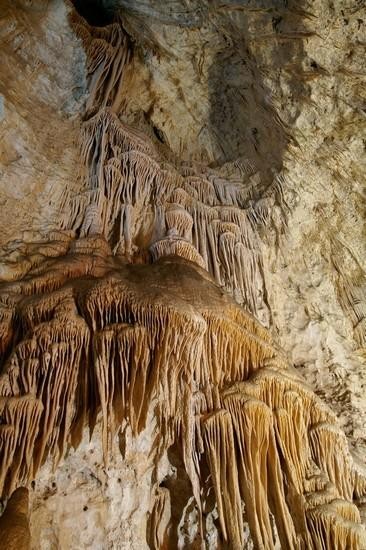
<point x="97" y="13"/>
<point x="159" y="134"/>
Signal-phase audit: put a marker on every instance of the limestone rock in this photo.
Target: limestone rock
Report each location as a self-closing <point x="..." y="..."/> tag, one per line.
<point x="189" y="179"/>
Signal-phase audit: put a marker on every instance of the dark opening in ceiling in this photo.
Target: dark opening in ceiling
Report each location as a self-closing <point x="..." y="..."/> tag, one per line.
<point x="97" y="13"/>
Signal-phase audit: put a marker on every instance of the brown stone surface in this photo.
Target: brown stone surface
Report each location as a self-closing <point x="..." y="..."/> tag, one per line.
<point x="14" y="522"/>
<point x="174" y="241"/>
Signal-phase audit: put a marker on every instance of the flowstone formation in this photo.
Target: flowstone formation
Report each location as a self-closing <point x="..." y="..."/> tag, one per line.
<point x="147" y="309"/>
<point x="85" y="331"/>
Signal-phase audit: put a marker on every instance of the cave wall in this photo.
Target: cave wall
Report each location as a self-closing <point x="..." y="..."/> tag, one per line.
<point x="267" y="95"/>
<point x="43" y="89"/>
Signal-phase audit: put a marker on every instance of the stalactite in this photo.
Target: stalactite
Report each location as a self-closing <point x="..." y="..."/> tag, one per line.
<point x="177" y="247"/>
<point x="304" y="449"/>
<point x="108" y="53"/>
<point x="223" y="235"/>
<point x="219" y="443"/>
<point x="328" y="443"/>
<point x="218" y="383"/>
<point x="328" y="529"/>
<point x="111" y="325"/>
<point x="20" y="419"/>
<point x="260" y="474"/>
<point x="179" y="221"/>
<point x="122" y="362"/>
<point x="125" y="171"/>
<point x="159" y="519"/>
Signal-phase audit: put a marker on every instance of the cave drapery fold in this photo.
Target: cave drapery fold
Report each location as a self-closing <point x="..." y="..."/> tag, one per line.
<point x="147" y="298"/>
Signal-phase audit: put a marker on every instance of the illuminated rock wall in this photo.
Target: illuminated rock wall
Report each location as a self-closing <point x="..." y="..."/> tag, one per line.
<point x="142" y="313"/>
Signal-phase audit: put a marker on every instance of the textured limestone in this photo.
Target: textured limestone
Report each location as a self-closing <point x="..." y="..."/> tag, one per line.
<point x="42" y="90"/>
<point x="232" y="136"/>
<point x="97" y="336"/>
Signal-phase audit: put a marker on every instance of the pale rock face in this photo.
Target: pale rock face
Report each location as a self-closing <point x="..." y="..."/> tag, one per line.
<point x="262" y="105"/>
<point x="42" y="92"/>
<point x="85" y="505"/>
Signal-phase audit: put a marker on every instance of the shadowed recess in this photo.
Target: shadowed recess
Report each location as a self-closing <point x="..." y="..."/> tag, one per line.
<point x="98" y="13"/>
